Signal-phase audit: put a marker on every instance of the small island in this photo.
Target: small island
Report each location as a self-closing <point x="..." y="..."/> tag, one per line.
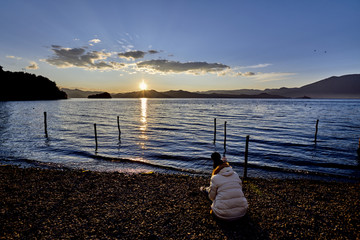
<point x="100" y="95"/>
<point x="21" y="86"/>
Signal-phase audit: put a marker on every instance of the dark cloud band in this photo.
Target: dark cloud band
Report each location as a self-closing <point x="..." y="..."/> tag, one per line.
<point x="133" y="55"/>
<point x="166" y="66"/>
<point x="78" y="57"/>
<point x="92" y="60"/>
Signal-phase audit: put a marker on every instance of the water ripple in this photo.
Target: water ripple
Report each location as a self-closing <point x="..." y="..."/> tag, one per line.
<point x="178" y="134"/>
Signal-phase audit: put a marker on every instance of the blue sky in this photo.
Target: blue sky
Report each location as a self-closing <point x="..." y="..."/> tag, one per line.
<point x="190" y="45"/>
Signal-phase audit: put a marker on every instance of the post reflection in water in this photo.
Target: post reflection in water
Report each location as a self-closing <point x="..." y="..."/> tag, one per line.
<point x="143" y="122"/>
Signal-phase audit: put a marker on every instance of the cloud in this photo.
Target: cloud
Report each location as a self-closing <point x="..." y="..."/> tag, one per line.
<point x="129" y="36"/>
<point x="236" y="71"/>
<point x="78" y="57"/>
<point x="83" y="57"/>
<point x="165" y="66"/>
<point x="261" y="65"/>
<point x="128" y="47"/>
<point x="153" y="51"/>
<point x="273" y="76"/>
<point x="132" y="55"/>
<point x="246" y="74"/>
<point x="13" y="57"/>
<point x="95" y="40"/>
<point x="33" y="65"/>
<point x="263" y="77"/>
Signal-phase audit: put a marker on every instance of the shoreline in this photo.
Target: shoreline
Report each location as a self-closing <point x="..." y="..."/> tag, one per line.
<point x="109" y="205"/>
<point x="143" y="167"/>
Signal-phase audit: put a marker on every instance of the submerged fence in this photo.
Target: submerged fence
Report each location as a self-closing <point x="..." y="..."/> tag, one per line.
<point x="246" y="154"/>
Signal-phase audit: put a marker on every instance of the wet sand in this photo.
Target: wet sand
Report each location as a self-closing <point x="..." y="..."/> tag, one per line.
<point x="54" y="204"/>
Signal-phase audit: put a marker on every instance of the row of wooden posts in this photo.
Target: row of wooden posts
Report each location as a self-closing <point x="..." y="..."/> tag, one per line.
<point x="246" y="145"/>
<point x="96" y="142"/>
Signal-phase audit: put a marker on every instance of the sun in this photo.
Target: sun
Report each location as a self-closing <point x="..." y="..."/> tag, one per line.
<point x="143" y="85"/>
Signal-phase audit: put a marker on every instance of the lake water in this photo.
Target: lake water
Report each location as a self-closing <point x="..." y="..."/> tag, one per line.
<point x="177" y="135"/>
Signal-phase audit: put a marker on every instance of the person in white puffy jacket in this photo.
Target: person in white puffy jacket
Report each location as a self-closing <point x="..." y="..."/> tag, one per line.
<point x="225" y="191"/>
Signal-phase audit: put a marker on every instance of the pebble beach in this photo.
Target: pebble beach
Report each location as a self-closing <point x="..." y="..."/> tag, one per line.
<point x="63" y="204"/>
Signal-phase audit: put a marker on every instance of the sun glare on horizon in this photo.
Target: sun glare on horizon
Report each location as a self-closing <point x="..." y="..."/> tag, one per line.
<point x="143" y="85"/>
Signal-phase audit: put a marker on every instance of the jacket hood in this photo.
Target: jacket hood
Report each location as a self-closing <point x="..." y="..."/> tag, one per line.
<point x="227" y="171"/>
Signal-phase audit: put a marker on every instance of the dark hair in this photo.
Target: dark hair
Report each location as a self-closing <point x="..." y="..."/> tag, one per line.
<point x="216" y="157"/>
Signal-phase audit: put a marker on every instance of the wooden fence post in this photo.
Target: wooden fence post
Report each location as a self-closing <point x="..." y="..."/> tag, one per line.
<point x="96" y="141"/>
<point x="316" y="130"/>
<point x="225" y="138"/>
<point x="214" y="130"/>
<point x="45" y="125"/>
<point x="246" y="155"/>
<point x="118" y="123"/>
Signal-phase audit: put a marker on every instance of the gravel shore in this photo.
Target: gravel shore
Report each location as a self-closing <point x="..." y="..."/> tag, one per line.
<point x="63" y="204"/>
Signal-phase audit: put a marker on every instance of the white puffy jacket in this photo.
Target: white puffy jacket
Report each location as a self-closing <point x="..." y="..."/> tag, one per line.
<point x="229" y="202"/>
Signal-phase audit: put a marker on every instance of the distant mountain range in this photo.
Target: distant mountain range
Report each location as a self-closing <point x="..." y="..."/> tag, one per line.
<point x="154" y="94"/>
<point x="347" y="86"/>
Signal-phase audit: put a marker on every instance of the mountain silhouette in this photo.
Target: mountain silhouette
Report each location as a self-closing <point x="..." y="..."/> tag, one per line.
<point x="141" y="94"/>
<point x="77" y="93"/>
<point x="20" y="86"/>
<point x="185" y="94"/>
<point x="179" y="94"/>
<point x="347" y="86"/>
<point x="344" y="86"/>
